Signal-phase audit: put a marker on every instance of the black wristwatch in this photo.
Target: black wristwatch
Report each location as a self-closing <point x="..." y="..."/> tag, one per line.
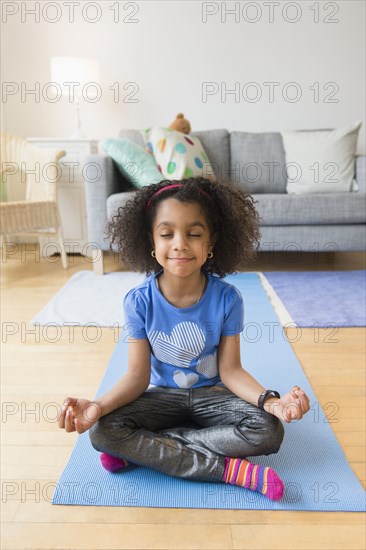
<point x="265" y="395"/>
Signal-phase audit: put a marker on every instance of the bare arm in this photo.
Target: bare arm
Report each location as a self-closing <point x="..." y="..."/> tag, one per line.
<point x="292" y="405"/>
<point x="133" y="383"/>
<point x="232" y="374"/>
<point x="80" y="414"/>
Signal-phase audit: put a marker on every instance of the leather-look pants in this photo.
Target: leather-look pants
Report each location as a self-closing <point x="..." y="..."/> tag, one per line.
<point x="187" y="433"/>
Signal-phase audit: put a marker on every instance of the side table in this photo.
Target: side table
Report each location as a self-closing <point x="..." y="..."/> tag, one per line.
<point x="71" y="189"/>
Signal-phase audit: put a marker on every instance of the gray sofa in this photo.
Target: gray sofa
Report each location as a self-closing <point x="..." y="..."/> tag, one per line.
<point x="289" y="222"/>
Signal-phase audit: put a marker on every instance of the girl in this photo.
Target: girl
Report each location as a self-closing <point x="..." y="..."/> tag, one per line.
<point x="186" y="407"/>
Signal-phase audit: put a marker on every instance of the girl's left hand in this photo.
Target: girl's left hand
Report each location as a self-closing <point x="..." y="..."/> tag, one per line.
<point x="291" y="406"/>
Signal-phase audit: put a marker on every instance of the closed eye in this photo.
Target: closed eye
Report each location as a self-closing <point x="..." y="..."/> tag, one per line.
<point x="190" y="235"/>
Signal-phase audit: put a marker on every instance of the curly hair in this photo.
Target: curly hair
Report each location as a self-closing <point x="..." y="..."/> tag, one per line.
<point x="231" y="214"/>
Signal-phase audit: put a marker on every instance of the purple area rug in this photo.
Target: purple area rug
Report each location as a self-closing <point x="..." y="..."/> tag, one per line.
<point x="322" y="298"/>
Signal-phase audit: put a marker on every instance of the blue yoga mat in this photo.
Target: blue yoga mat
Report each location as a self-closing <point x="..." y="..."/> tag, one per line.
<point x="322" y="298"/>
<point x="311" y="463"/>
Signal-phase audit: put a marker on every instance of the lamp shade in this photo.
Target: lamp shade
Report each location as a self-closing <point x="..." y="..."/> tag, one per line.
<point x="74" y="69"/>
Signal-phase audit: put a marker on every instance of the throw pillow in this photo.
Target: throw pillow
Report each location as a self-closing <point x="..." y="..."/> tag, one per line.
<point x="135" y="164"/>
<point x="321" y="161"/>
<point x="177" y="155"/>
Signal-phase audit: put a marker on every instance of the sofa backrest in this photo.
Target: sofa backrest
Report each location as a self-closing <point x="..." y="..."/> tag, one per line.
<point x="361" y="173"/>
<point x="132" y="135"/>
<point x="258" y="161"/>
<point x="216" y="144"/>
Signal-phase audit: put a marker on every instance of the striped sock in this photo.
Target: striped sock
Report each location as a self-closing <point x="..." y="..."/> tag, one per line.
<point x="112" y="463"/>
<point x="238" y="471"/>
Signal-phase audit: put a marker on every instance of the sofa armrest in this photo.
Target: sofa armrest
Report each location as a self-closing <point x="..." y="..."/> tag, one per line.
<point x="102" y="179"/>
<point x="100" y="182"/>
<point x="360" y="174"/>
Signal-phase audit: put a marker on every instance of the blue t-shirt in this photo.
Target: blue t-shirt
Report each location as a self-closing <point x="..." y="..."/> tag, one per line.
<point x="184" y="341"/>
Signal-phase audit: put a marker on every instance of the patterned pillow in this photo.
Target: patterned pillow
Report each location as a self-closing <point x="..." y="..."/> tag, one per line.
<point x="178" y="156"/>
<point x="135" y="164"/>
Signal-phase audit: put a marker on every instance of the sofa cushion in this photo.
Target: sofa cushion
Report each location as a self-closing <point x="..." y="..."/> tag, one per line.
<point x="317" y="209"/>
<point x="297" y="239"/>
<point x="134" y="163"/>
<point x="321" y="161"/>
<point x="258" y="162"/>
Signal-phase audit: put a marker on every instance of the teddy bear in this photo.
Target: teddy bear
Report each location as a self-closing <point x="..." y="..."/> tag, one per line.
<point x="180" y="124"/>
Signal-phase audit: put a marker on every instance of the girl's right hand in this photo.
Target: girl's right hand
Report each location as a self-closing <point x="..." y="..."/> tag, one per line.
<point x="78" y="415"/>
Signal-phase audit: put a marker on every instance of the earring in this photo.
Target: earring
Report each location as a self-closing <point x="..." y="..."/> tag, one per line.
<point x="153" y="253"/>
<point x="210" y="255"/>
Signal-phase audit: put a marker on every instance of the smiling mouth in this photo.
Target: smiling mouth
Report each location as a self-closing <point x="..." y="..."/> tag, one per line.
<point x="181" y="259"/>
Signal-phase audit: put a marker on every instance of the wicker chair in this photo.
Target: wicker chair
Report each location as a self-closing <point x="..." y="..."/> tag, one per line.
<point x="38" y="215"/>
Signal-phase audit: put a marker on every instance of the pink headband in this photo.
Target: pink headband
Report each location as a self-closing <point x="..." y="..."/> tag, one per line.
<point x="172" y="186"/>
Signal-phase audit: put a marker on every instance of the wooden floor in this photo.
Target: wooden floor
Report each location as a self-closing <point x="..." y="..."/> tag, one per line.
<point x="41" y="367"/>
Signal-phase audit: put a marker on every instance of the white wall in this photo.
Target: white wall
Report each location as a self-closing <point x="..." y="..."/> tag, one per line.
<point x="170" y="52"/>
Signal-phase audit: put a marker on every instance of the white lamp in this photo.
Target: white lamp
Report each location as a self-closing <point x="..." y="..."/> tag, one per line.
<point x="72" y="74"/>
